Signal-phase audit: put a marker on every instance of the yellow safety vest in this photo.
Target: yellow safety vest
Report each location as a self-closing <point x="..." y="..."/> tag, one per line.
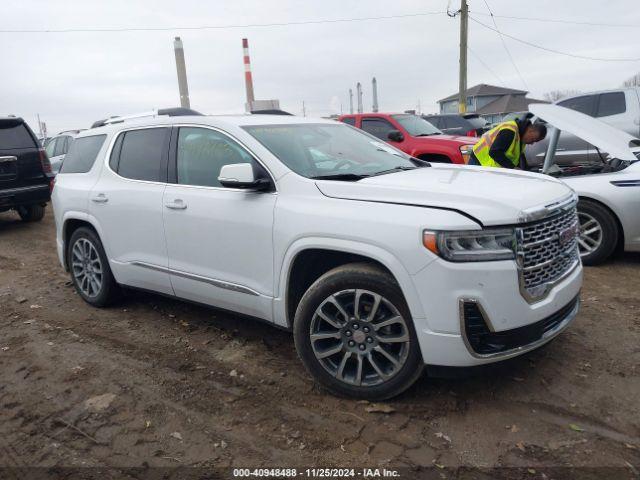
<point x="481" y="149"/>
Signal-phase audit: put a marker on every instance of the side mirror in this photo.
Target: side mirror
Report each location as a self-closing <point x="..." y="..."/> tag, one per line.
<point x="395" y="136"/>
<point x="241" y="175"/>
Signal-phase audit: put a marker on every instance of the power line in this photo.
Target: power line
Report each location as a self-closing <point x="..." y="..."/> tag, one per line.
<point x="559" y="52"/>
<point x="475" y="55"/>
<point x="221" y="27"/>
<point x="506" y="49"/>
<point x="554" y="20"/>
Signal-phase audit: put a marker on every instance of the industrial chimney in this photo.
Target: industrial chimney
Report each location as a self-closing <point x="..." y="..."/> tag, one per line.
<point x="374" y="85"/>
<point x="359" y="96"/>
<point x="182" y="73"/>
<point x="351" y="101"/>
<point x="248" y="80"/>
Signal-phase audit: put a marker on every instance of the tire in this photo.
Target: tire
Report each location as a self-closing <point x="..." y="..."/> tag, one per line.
<point x="31" y="213"/>
<point x="89" y="269"/>
<point x="338" y="371"/>
<point x="597" y="246"/>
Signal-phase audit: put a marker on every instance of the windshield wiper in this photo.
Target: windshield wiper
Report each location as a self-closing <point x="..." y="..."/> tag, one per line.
<point x="399" y="168"/>
<point x="428" y="134"/>
<point x="353" y="177"/>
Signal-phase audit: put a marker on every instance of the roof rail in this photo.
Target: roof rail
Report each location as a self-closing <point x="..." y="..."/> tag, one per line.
<point x="169" y="112"/>
<point x="270" y="112"/>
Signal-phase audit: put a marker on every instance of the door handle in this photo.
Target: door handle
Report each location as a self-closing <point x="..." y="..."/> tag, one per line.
<point x="177" y="204"/>
<point x="100" y="198"/>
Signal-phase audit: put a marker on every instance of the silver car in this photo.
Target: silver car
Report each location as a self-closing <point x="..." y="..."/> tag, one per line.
<point x="609" y="191"/>
<point x="58" y="146"/>
<point x="619" y="108"/>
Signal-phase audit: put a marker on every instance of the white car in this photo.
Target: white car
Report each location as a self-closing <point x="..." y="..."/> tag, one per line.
<point x="610" y="192"/>
<point x="57" y="147"/>
<point x="378" y="262"/>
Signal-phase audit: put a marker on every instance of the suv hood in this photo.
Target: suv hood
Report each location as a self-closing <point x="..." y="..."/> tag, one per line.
<point x="491" y="196"/>
<point x="602" y="135"/>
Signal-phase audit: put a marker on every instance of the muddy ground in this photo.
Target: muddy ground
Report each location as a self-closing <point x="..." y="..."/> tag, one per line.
<point x="157" y="382"/>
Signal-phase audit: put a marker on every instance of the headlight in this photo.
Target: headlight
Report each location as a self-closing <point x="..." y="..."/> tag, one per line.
<point x="466" y="150"/>
<point x="472" y="246"/>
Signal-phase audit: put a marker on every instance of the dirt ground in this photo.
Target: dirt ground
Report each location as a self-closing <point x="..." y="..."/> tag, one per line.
<point x="155" y="382"/>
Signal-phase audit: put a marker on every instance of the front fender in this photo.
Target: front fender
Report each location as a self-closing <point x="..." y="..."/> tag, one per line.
<point x="373" y="252"/>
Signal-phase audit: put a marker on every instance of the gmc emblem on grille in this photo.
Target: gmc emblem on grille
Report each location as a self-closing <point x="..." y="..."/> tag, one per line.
<point x="568" y="234"/>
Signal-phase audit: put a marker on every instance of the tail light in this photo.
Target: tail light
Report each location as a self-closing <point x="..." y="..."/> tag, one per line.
<point x="44" y="161"/>
<point x="471" y="133"/>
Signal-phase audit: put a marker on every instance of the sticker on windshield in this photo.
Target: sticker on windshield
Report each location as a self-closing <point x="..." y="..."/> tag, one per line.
<point x="385" y="148"/>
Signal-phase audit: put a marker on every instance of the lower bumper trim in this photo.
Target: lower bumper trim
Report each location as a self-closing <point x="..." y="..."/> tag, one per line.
<point x="483" y="342"/>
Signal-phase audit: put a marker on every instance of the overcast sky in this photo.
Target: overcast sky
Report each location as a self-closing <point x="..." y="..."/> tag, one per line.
<point x="72" y="79"/>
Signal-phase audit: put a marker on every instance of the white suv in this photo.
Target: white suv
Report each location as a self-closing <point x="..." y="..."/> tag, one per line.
<point x="380" y="263"/>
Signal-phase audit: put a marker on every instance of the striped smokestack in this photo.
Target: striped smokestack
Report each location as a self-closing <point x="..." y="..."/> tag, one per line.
<point x="248" y="80"/>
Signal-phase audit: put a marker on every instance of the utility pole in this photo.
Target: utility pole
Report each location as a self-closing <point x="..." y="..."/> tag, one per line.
<point x="351" y="101"/>
<point x="304" y="110"/>
<point x="464" y="22"/>
<point x="359" y="96"/>
<point x="182" y="73"/>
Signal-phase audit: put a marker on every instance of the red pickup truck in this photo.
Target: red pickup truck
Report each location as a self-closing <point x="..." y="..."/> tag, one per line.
<point x="414" y="136"/>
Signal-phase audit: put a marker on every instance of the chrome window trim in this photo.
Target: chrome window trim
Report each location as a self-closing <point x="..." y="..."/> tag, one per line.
<point x="199" y="278"/>
<point x="546" y="337"/>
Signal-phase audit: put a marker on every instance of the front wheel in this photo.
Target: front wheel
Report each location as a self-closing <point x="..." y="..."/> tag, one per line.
<point x="354" y="333"/>
<point x="598" y="232"/>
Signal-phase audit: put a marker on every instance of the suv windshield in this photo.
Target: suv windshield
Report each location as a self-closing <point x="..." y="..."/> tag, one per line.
<point x="326" y="150"/>
<point x="416" y="126"/>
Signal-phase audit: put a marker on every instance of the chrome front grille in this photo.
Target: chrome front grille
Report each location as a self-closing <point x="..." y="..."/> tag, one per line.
<point x="547" y="251"/>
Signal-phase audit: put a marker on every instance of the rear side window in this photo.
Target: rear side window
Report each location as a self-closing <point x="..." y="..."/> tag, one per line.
<point x="611" y="104"/>
<point x="349" y="121"/>
<point x="142" y="153"/>
<point x="585" y="104"/>
<point x="15" y="135"/>
<point x="82" y="154"/>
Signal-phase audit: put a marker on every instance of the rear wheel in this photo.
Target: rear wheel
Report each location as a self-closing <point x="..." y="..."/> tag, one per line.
<point x="31" y="213"/>
<point x="354" y="333"/>
<point x="598" y="232"/>
<point x="89" y="267"/>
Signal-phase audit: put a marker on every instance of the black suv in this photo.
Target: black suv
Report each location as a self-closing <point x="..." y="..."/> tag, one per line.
<point x="25" y="171"/>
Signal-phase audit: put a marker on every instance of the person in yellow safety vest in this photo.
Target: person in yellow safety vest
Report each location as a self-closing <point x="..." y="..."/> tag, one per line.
<point x="503" y="146"/>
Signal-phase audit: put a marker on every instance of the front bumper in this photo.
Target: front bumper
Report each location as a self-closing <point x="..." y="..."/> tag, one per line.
<point x="444" y="287"/>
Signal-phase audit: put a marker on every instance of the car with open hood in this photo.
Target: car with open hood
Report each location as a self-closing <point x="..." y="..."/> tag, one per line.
<point x="380" y="263"/>
<point x="609" y="191"/>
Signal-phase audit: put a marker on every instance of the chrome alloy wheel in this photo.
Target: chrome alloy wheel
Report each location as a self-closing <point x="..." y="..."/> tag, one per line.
<point x="359" y="337"/>
<point x="86" y="267"/>
<point x="590" y="237"/>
